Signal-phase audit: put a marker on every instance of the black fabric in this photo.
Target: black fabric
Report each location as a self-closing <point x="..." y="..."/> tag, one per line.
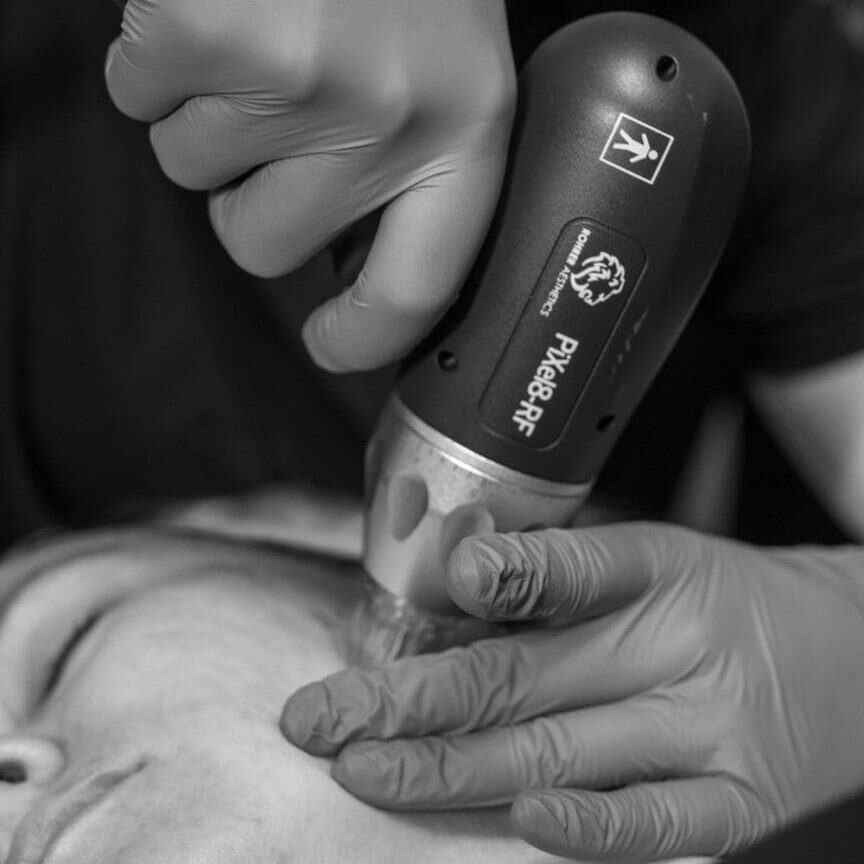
<point x="791" y="288"/>
<point x="139" y="366"/>
<point x="832" y="836"/>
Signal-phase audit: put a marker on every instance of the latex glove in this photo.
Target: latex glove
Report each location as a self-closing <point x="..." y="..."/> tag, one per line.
<point x="305" y="115"/>
<point x="722" y="695"/>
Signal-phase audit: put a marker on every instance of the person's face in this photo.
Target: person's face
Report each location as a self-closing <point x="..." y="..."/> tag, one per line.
<point x="157" y="741"/>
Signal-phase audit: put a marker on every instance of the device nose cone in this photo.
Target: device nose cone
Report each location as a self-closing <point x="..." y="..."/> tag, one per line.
<point x="407" y="503"/>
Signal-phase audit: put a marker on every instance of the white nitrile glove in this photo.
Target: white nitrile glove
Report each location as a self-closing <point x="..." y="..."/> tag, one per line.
<point x="705" y="693"/>
<point x="305" y="115"/>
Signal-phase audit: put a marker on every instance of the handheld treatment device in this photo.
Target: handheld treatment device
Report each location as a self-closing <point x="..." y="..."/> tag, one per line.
<point x="627" y="166"/>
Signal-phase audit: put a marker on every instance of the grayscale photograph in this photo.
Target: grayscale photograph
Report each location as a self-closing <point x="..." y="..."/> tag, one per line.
<point x="432" y="432"/>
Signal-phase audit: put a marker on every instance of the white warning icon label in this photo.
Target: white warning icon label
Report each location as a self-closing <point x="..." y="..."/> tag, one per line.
<point x="636" y="148"/>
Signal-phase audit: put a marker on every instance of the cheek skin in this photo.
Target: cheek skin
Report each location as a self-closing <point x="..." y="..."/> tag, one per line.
<point x="194" y="650"/>
<point x="15" y="803"/>
<point x="192" y="681"/>
<point x="214" y="811"/>
<point x="198" y="700"/>
<point x="224" y="792"/>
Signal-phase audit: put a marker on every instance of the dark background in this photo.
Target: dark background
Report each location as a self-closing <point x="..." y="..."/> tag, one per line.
<point x="139" y="366"/>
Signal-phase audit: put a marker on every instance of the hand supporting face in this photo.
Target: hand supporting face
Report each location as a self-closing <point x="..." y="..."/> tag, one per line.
<point x="703" y="693"/>
<point x="302" y="116"/>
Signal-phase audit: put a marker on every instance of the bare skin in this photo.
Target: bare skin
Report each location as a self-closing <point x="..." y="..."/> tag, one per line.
<point x="158" y="741"/>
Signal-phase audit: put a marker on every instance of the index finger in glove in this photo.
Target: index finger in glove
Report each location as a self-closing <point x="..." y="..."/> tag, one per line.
<point x="643" y="822"/>
<point x="153" y="65"/>
<point x="494" y="682"/>
<point x="425" y="244"/>
<point x="599" y="747"/>
<point x="570" y="574"/>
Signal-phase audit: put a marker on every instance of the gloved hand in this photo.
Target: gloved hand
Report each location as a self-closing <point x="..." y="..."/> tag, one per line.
<point x="305" y="115"/>
<point x="705" y="693"/>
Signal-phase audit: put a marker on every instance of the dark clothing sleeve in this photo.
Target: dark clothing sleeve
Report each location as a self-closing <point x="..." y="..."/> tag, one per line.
<point x="794" y="287"/>
<point x="790" y="291"/>
<point x="138" y="365"/>
<point x="833" y="836"/>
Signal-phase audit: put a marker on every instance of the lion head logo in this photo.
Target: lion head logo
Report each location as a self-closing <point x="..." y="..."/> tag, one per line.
<point x="601" y="277"/>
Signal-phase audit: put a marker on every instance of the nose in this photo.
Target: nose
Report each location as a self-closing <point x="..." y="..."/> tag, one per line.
<point x="29" y="759"/>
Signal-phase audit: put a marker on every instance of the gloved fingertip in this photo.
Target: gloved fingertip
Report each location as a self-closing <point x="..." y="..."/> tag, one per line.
<point x="540" y="820"/>
<point x="306" y="723"/>
<point x="319" y="349"/>
<point x="487" y="577"/>
<point x="472" y="572"/>
<point x="110" y="56"/>
<point x="364" y="771"/>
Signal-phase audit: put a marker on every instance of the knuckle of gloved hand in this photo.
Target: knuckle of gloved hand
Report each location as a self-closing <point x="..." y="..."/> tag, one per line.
<point x="662" y="538"/>
<point x="417" y="773"/>
<point x="579" y="561"/>
<point x="297" y="67"/>
<point x="415" y="302"/>
<point x="539" y="753"/>
<point x="197" y="28"/>
<point x="664" y="551"/>
<point x="748" y="819"/>
<point x="493" y="679"/>
<point x="365" y="704"/>
<point x="179" y="158"/>
<point x="595" y="825"/>
<point x="240" y="231"/>
<point x="389" y="103"/>
<point x="400" y="775"/>
<point x="688" y="718"/>
<point x="492" y="100"/>
<point x="668" y="829"/>
<point x="634" y="825"/>
<point x="376" y="775"/>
